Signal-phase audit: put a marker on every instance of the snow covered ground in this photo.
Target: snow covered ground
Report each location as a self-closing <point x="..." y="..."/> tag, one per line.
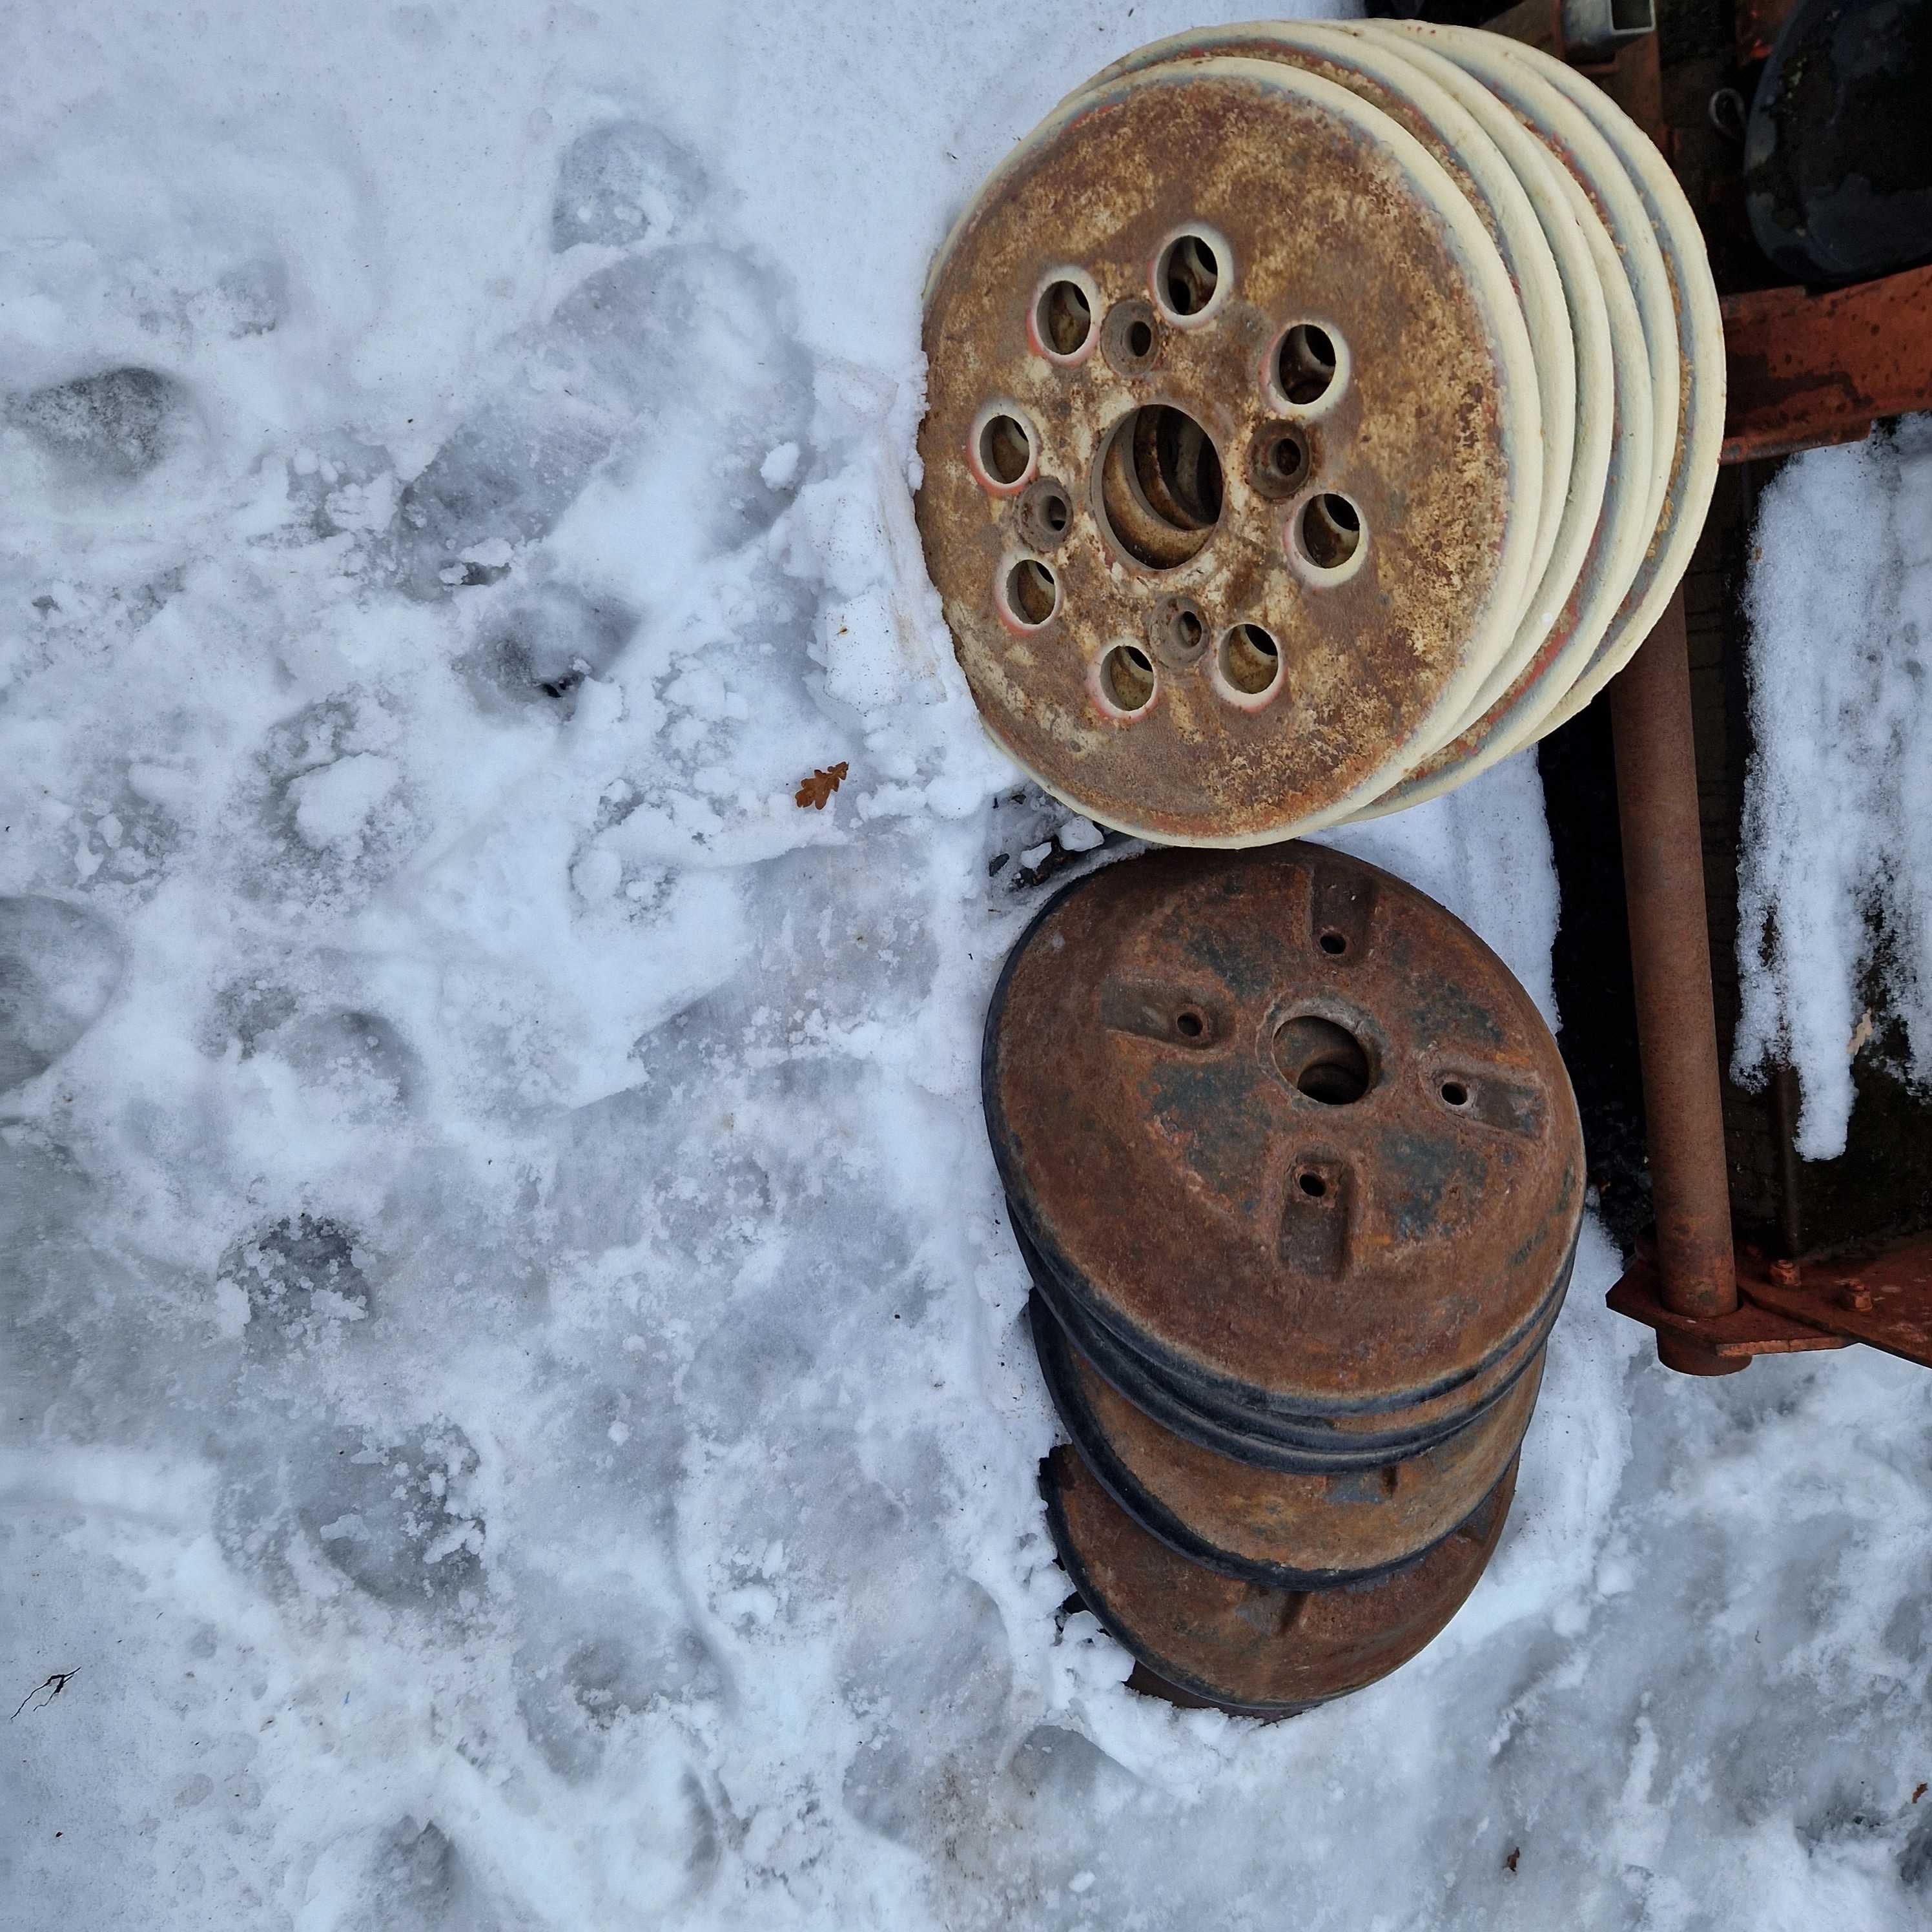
<point x="516" y="1411"/>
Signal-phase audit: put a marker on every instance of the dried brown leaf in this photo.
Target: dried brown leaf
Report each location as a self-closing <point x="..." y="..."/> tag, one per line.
<point x="820" y="786"/>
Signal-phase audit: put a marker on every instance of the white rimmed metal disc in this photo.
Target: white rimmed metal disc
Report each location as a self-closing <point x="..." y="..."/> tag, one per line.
<point x="1553" y="200"/>
<point x="1638" y="472"/>
<point x="1233" y="454"/>
<point x="1376" y="72"/>
<point x="1700" y="323"/>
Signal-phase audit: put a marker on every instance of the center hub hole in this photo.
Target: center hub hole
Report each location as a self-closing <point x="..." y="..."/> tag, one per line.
<point x="1160" y="486"/>
<point x="1325" y="1061"/>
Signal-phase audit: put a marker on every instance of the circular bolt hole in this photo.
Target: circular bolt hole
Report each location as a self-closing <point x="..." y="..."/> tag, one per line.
<point x="1280" y="462"/>
<point x="1127" y="677"/>
<point x="1031" y="592"/>
<point x="1304" y="365"/>
<point x="1064" y="318"/>
<point x="1455" y="1093"/>
<point x="1328" y="531"/>
<point x="1250" y="661"/>
<point x="1005" y="448"/>
<point x="1046" y="513"/>
<point x="1190" y="1025"/>
<point x="1128" y="337"/>
<point x="1323" y="1061"/>
<point x="1334" y="944"/>
<point x="1160" y="486"/>
<point x="1312" y="1185"/>
<point x="1187" y="274"/>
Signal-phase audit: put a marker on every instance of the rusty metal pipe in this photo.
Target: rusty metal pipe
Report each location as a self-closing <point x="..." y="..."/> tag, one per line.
<point x="1670" y="955"/>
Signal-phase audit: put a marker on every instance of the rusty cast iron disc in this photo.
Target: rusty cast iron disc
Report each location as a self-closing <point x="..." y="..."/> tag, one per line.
<point x="1207" y="1414"/>
<point x="1288" y="1130"/>
<point x="1296" y="1531"/>
<point x="1233" y="460"/>
<point x="1249" y="1647"/>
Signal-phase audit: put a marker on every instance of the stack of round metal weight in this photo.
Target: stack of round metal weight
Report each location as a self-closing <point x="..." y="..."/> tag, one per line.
<point x="1318" y="412"/>
<point x="1297" y="1171"/>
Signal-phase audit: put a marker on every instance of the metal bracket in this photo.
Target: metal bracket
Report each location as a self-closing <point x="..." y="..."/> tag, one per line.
<point x="1882" y="1298"/>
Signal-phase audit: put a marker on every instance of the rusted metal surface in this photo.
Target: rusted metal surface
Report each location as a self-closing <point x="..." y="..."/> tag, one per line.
<point x="1295" y="1530"/>
<point x="1714" y="1339"/>
<point x="1670" y="955"/>
<point x="1881" y="1297"/>
<point x="1413" y="404"/>
<point x="1289" y="1133"/>
<point x="1249" y="1647"/>
<point x="1201" y="1412"/>
<point x="1809" y="369"/>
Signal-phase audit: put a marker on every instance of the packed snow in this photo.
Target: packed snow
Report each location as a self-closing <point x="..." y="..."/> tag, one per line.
<point x="517" y="1410"/>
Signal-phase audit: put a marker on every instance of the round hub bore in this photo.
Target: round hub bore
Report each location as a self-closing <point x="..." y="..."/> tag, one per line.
<point x="1289" y="1132"/>
<point x="1249" y="1647"/>
<point x="1259" y="342"/>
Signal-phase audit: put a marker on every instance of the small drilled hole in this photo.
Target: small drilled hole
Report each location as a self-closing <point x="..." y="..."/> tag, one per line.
<point x="1127" y="675"/>
<point x="1304" y="365"/>
<point x="1330" y="530"/>
<point x="1312" y="1185"/>
<point x="1455" y="1093"/>
<point x="1030" y="591"/>
<point x="1140" y="338"/>
<point x="1046" y="513"/>
<point x="1323" y="1061"/>
<point x="1188" y="275"/>
<point x="1186" y="631"/>
<point x="1250" y="660"/>
<point x="1004" y="449"/>
<point x="1334" y="944"/>
<point x="1190" y="1025"/>
<point x="1064" y="317"/>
